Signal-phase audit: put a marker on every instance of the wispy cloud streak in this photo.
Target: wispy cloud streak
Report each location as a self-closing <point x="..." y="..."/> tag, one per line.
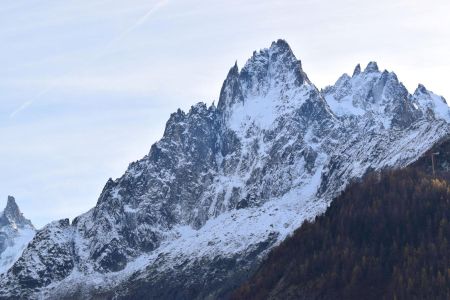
<point x="141" y="21"/>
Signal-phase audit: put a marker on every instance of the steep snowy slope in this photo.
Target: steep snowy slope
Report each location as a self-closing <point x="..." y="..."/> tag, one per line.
<point x="225" y="184"/>
<point x="15" y="234"/>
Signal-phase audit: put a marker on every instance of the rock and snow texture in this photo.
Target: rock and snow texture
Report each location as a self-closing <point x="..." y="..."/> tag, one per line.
<point x="15" y="234"/>
<point x="225" y="184"/>
<point x="431" y="103"/>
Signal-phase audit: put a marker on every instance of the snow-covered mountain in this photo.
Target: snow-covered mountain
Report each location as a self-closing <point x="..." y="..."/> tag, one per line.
<point x="15" y="234"/>
<point x="194" y="217"/>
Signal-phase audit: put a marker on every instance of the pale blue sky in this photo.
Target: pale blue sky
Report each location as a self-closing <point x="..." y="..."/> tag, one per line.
<point x="86" y="86"/>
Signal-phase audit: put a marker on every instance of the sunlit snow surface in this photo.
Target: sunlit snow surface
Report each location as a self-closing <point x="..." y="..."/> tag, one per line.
<point x="429" y="100"/>
<point x="21" y="238"/>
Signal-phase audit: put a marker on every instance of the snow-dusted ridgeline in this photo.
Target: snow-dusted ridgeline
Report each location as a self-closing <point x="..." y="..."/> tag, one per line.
<point x="225" y="184"/>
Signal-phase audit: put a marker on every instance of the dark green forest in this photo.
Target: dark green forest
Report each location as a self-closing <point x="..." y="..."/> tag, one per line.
<point x="385" y="237"/>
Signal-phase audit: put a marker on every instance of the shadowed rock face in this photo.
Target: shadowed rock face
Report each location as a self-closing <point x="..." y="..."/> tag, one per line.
<point x="226" y="183"/>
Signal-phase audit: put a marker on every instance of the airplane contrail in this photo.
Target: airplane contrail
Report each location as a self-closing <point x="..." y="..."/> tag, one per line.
<point x="111" y="43"/>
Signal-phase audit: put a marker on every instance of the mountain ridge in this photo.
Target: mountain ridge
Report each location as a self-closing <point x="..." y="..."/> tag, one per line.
<point x="225" y="184"/>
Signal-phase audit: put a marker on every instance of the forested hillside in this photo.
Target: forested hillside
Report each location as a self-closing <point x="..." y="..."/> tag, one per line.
<point x="386" y="237"/>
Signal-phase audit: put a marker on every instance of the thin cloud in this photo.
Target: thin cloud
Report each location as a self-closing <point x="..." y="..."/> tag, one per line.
<point x="141" y="21"/>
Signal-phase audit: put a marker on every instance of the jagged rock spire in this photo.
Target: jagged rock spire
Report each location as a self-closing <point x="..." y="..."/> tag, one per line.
<point x="430" y="102"/>
<point x="231" y="89"/>
<point x="267" y="68"/>
<point x="276" y="61"/>
<point x="11" y="207"/>
<point x="357" y="70"/>
<point x="421" y="89"/>
<point x="13" y="215"/>
<point x="371" y="67"/>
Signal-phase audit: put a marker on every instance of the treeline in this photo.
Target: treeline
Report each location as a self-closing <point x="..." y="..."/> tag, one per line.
<point x="384" y="238"/>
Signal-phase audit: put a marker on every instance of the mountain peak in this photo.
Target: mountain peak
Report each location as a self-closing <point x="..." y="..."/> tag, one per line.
<point x="280" y="44"/>
<point x="234" y="69"/>
<point x="421" y="89"/>
<point x="12" y="210"/>
<point x="270" y="68"/>
<point x="271" y="155"/>
<point x="273" y="66"/>
<point x="12" y="214"/>
<point x="231" y="89"/>
<point x="371" y="67"/>
<point x="429" y="101"/>
<point x="11" y="204"/>
<point x="357" y="70"/>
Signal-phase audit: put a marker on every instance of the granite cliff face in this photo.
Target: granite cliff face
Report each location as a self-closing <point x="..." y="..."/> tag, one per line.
<point x="226" y="183"/>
